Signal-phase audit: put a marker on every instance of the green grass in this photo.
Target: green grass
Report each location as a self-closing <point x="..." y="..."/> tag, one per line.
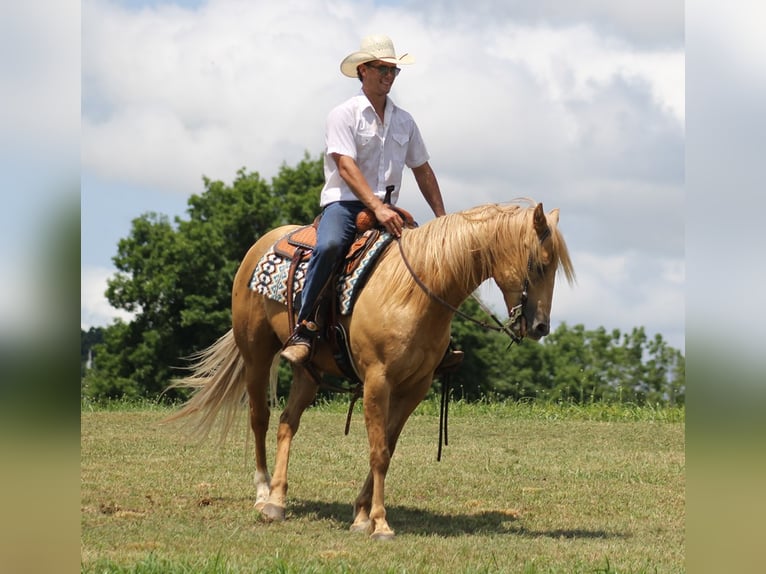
<point x="526" y="488"/>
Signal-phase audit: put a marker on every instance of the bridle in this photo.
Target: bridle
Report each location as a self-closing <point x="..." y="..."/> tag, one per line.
<point x="511" y="326"/>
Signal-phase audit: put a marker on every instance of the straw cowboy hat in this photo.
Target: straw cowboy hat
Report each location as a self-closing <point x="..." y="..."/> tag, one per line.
<point x="375" y="47"/>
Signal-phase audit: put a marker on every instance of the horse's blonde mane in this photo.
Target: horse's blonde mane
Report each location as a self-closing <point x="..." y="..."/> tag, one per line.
<point x="461" y="247"/>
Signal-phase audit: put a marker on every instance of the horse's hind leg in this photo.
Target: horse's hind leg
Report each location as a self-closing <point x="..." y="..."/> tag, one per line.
<point x="302" y="393"/>
<point x="257" y="377"/>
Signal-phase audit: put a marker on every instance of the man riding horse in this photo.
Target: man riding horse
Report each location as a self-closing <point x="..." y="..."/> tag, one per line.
<point x="369" y="140"/>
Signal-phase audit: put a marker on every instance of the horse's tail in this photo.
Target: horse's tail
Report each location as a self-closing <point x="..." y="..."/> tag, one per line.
<point x="218" y="383"/>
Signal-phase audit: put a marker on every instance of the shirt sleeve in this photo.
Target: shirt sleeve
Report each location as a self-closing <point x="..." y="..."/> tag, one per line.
<point x="339" y="134"/>
<point x="417" y="154"/>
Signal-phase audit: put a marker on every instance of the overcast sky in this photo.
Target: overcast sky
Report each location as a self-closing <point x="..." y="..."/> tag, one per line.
<point x="578" y="104"/>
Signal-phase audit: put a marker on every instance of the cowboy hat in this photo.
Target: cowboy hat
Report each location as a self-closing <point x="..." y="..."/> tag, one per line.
<point x="375" y="47"/>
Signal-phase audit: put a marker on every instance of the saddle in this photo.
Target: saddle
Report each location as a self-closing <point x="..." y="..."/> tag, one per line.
<point x="298" y="245"/>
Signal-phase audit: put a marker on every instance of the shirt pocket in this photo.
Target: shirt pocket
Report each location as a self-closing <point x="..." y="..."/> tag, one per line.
<point x="401" y="138"/>
<point x="397" y="152"/>
<point x="365" y="137"/>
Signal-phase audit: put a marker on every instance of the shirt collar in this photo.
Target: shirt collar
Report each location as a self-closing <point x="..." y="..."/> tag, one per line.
<point x="390" y="105"/>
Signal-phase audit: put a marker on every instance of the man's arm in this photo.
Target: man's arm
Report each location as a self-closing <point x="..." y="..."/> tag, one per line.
<point x="352" y="175"/>
<point x="429" y="187"/>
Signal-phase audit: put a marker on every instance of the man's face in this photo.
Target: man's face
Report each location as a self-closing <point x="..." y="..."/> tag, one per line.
<point x="378" y="77"/>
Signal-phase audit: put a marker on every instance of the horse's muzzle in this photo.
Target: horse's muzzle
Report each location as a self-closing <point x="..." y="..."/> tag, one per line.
<point x="539" y="329"/>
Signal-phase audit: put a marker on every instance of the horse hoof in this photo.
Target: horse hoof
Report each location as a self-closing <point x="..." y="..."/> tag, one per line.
<point x="259" y="505"/>
<point x="360" y="527"/>
<point x="385" y="535"/>
<point x="273" y="513"/>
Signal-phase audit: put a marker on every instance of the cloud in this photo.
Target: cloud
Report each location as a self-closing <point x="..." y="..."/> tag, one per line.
<point x="575" y="62"/>
<point x="648" y="23"/>
<point x="170" y="92"/>
<point x="95" y="310"/>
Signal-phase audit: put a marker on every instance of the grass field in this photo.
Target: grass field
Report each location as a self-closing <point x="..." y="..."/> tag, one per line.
<point x="520" y="488"/>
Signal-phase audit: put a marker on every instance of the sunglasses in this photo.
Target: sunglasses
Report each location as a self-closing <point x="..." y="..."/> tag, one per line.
<point x="385" y="70"/>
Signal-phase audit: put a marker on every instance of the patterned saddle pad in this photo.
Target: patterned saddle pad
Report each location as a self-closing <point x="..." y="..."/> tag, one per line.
<point x="270" y="275"/>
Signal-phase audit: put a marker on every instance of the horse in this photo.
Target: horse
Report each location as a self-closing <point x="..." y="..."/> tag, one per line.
<point x="398" y="333"/>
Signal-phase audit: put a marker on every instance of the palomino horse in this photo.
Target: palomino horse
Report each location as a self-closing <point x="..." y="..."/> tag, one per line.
<point x="397" y="335"/>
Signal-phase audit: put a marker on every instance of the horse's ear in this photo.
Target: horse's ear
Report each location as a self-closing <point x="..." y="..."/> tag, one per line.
<point x="540" y="222"/>
<point x="553" y="215"/>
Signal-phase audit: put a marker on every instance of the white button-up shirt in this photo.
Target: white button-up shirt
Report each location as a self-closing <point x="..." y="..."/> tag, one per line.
<point x="381" y="150"/>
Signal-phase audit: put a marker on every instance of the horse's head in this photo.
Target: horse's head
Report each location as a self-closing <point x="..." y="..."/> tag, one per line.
<point x="527" y="281"/>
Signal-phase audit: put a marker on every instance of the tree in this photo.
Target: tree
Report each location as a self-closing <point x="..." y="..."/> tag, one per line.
<point x="176" y="277"/>
<point x="481" y="373"/>
<point x="596" y="365"/>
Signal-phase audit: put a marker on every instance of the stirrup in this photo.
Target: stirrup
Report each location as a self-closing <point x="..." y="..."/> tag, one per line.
<point x="305" y="329"/>
<point x="451" y="360"/>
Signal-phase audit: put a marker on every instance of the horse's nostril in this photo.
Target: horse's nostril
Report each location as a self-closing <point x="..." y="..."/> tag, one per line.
<point x="542" y="329"/>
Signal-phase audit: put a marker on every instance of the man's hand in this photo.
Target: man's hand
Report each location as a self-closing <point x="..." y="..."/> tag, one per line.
<point x="389" y="219"/>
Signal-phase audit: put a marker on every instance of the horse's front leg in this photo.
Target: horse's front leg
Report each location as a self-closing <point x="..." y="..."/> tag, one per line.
<point x="362" y="506"/>
<point x="376" y="405"/>
<point x="302" y="393"/>
<point x="398" y="411"/>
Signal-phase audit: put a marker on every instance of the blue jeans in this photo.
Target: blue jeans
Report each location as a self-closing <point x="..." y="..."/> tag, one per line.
<point x="336" y="232"/>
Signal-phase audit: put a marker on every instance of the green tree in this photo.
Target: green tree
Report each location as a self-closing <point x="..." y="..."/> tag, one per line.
<point x="176" y="277"/>
<point x="481" y="373"/>
<point x="566" y="358"/>
<point x="523" y="372"/>
<point x="297" y="190"/>
<point x="589" y="365"/>
<point x="136" y="357"/>
<point x="664" y="373"/>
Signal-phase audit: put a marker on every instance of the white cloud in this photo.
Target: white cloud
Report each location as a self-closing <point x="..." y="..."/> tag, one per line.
<point x="645" y="22"/>
<point x="95" y="310"/>
<point x="171" y="93"/>
<point x="574" y="63"/>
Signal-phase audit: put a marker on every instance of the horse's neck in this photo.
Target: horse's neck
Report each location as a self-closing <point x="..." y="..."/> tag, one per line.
<point x="451" y="272"/>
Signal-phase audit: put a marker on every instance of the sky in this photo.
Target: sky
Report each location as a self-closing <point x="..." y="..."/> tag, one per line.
<point x="579" y="105"/>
